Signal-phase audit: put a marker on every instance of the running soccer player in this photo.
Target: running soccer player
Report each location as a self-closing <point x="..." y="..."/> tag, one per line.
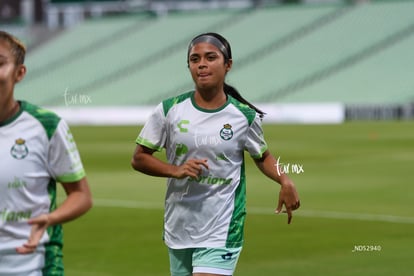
<point x="205" y="133"/>
<point x="36" y="151"/>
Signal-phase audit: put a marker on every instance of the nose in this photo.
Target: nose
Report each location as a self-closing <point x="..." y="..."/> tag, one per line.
<point x="202" y="63"/>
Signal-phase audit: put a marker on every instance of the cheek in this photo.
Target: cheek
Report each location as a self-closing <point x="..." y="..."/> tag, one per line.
<point x="193" y="71"/>
<point x="6" y="73"/>
<point x="3" y="76"/>
<point x="221" y="72"/>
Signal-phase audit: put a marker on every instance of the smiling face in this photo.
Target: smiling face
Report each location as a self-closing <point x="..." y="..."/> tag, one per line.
<point x="207" y="66"/>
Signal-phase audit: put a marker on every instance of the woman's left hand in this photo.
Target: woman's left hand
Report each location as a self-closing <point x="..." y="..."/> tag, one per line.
<point x="289" y="197"/>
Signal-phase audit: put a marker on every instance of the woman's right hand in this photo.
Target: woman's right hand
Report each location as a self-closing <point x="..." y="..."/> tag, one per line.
<point x="191" y="168"/>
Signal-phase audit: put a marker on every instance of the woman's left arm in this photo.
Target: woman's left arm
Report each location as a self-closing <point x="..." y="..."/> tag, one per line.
<point x="288" y="195"/>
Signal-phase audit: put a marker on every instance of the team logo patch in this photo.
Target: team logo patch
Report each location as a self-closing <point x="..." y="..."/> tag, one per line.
<point x="19" y="150"/>
<point x="226" y="133"/>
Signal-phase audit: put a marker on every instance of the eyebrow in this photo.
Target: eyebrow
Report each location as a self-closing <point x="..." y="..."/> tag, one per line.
<point x="207" y="53"/>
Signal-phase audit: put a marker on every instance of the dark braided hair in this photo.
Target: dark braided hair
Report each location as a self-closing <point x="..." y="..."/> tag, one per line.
<point x="228" y="89"/>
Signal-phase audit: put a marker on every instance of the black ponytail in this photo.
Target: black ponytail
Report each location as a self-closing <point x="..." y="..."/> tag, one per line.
<point x="230" y="90"/>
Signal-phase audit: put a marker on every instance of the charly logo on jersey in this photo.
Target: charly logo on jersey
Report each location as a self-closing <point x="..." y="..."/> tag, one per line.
<point x="226" y="133"/>
<point x="19" y="150"/>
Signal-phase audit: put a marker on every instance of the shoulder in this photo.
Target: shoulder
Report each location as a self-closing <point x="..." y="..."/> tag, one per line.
<point x="246" y="110"/>
<point x="48" y="119"/>
<point x="170" y="102"/>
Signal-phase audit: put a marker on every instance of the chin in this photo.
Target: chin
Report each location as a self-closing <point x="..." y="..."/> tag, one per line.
<point x="205" y="86"/>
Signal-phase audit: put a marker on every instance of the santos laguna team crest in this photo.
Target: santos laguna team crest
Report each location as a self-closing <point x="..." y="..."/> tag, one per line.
<point x="19" y="150"/>
<point x="226" y="133"/>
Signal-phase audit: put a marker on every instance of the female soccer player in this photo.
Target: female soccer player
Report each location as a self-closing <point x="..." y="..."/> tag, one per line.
<point x="205" y="133"/>
<point x="36" y="151"/>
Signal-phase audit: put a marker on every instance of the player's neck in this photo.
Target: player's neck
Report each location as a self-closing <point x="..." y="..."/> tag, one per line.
<point x="210" y="99"/>
<point x="8" y="110"/>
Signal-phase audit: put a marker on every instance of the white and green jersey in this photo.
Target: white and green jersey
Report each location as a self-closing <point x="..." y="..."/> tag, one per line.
<point x="208" y="211"/>
<point x="36" y="151"/>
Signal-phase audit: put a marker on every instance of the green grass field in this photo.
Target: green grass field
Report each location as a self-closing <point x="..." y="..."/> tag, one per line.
<point x="356" y="191"/>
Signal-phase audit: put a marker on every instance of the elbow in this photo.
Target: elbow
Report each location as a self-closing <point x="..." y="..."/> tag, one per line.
<point x="88" y="203"/>
<point x="136" y="164"/>
<point x="87" y="200"/>
<point x="141" y="158"/>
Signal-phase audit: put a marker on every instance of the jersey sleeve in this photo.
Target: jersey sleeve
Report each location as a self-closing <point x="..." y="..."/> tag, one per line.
<point x="64" y="160"/>
<point x="255" y="144"/>
<point x="153" y="134"/>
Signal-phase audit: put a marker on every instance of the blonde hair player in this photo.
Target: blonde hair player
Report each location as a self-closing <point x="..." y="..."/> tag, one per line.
<point x="36" y="151"/>
<point x="205" y="133"/>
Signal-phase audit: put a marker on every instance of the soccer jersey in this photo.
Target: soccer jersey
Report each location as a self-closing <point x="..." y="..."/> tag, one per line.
<point x="36" y="150"/>
<point x="207" y="211"/>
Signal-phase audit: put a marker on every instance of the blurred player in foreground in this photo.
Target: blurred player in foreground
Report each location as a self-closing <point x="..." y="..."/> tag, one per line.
<point x="36" y="151"/>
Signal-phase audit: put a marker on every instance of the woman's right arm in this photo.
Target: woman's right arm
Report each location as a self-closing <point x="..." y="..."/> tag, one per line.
<point x="144" y="161"/>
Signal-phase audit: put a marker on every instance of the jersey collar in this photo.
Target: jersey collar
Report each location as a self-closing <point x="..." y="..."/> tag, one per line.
<point x="15" y="116"/>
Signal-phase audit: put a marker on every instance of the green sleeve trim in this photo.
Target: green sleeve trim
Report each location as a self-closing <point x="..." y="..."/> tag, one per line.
<point x="262" y="150"/>
<point x="167" y="104"/>
<point x="71" y="177"/>
<point x="148" y="144"/>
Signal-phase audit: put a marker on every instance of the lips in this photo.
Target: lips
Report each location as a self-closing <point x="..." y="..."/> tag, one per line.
<point x="203" y="75"/>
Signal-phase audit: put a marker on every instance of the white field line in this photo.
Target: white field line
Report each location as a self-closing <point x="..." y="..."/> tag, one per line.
<point x="101" y="202"/>
<point x="340" y="215"/>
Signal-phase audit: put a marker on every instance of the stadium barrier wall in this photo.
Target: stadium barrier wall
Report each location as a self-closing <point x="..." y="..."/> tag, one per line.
<point x="380" y="112"/>
<point x="306" y="113"/>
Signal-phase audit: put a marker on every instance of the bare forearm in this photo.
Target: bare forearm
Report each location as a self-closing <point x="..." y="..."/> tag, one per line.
<point x="151" y="165"/>
<point x="77" y="203"/>
<point x="144" y="161"/>
<point x="268" y="166"/>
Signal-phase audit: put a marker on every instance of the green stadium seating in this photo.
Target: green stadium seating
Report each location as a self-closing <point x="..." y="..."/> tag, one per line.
<point x="290" y="70"/>
<point x="300" y="53"/>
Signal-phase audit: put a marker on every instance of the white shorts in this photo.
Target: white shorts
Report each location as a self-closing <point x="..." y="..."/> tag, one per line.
<point x="18" y="264"/>
<point x="221" y="261"/>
